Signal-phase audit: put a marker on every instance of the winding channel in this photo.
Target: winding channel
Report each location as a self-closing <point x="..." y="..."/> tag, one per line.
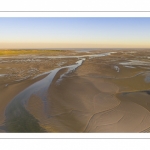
<point x="17" y="118"/>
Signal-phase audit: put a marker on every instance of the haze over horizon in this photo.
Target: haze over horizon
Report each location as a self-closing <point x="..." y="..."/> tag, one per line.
<point x="27" y="33"/>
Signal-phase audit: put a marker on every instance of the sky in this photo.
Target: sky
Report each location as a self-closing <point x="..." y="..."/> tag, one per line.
<point x="74" y="33"/>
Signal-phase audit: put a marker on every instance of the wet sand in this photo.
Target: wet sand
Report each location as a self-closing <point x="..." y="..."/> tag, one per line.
<point x="108" y="93"/>
<point x="9" y="92"/>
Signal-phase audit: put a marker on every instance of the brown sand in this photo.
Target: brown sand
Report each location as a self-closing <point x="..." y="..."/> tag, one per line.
<point x="70" y="110"/>
<point x="92" y="98"/>
<point x="86" y="102"/>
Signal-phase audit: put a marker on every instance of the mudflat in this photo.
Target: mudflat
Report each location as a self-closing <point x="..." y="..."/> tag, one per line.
<point x="69" y="91"/>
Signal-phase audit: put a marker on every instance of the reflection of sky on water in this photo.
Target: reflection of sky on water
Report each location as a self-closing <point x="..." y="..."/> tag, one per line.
<point x="135" y="62"/>
<point x="147" y="78"/>
<point x="39" y="88"/>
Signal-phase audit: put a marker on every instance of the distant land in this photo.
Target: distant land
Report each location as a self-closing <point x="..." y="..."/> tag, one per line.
<point x="86" y="49"/>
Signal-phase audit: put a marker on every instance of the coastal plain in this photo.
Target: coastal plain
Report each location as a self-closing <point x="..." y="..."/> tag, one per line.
<point x="104" y="90"/>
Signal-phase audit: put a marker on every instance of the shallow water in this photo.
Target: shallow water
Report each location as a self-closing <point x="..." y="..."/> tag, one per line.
<point x="16" y="114"/>
<point x="80" y="56"/>
<point x="147" y="78"/>
<point x="130" y="67"/>
<point x="40" y="88"/>
<point x="2" y="75"/>
<point x="135" y="62"/>
<point x="15" y="111"/>
<point x="117" y="68"/>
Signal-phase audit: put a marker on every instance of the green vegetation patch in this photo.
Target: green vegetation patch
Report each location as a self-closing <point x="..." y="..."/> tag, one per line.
<point x="31" y="52"/>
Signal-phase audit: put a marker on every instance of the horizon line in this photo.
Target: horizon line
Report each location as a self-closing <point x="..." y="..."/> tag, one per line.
<point x="65" y="48"/>
<point x="83" y="48"/>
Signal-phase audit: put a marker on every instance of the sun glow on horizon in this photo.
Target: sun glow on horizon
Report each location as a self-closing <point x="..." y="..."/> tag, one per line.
<point x="74" y="33"/>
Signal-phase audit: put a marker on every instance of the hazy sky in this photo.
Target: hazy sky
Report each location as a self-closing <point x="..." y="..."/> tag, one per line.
<point x="74" y="33"/>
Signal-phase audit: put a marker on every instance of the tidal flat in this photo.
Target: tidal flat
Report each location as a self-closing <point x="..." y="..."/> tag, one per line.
<point x="68" y="91"/>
